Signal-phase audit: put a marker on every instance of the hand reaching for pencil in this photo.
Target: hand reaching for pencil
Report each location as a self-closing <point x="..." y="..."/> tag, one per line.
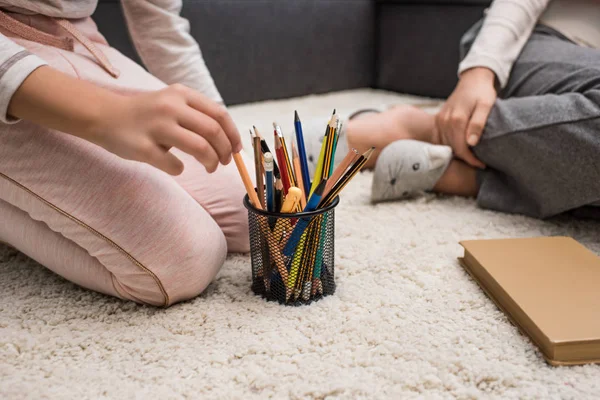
<point x="145" y="127"/>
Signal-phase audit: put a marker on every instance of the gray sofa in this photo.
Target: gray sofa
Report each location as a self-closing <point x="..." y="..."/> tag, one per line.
<point x="270" y="49"/>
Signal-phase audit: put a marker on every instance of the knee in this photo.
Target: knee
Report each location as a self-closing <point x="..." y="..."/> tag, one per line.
<point x="202" y="258"/>
<point x="175" y="265"/>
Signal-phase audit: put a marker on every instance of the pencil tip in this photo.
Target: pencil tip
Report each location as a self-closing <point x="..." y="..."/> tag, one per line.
<point x="333" y="122"/>
<point x="275" y="125"/>
<point x="296" y="117"/>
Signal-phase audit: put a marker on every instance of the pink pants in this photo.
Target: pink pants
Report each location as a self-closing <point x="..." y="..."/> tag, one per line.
<point x="115" y="226"/>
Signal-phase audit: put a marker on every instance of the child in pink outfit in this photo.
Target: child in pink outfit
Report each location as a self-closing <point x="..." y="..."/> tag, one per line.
<point x="84" y="136"/>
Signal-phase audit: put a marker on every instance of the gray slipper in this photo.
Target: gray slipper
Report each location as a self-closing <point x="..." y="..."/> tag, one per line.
<point x="407" y="167"/>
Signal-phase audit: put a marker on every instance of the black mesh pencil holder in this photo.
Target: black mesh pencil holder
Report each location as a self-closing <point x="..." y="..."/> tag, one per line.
<point x="292" y="254"/>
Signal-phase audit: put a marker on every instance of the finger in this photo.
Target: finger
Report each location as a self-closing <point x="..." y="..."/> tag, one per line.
<point x="165" y="161"/>
<point x="217" y="112"/>
<point x="473" y="161"/>
<point x="463" y="152"/>
<point x="195" y="145"/>
<point x="210" y="130"/>
<point x="458" y="123"/>
<point x="442" y="121"/>
<point x="477" y="124"/>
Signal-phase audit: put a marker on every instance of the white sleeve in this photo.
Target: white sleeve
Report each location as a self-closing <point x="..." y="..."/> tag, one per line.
<point x="16" y="64"/>
<point x="506" y="28"/>
<point x="163" y="41"/>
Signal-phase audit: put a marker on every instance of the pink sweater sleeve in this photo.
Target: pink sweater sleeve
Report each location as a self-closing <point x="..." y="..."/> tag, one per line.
<point x="506" y="28"/>
<point x="163" y="41"/>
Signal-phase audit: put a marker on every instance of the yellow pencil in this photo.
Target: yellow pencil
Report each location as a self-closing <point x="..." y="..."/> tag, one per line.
<point x="328" y="157"/>
<point x="319" y="169"/>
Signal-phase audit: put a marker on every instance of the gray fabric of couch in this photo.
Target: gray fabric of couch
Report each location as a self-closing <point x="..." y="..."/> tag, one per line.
<point x="270" y="49"/>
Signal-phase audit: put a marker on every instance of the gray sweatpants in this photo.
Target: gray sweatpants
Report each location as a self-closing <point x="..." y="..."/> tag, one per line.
<point x="541" y="142"/>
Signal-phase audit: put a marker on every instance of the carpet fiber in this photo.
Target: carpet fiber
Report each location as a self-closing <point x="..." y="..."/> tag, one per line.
<point x="406" y="321"/>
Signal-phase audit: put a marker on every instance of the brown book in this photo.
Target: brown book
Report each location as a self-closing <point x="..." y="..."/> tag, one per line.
<point x="549" y="287"/>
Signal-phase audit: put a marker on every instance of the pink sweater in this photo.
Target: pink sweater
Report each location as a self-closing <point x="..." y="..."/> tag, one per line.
<point x="160" y="35"/>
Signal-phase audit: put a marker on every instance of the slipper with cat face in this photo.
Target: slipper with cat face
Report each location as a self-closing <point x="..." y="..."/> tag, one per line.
<point x="406" y="167"/>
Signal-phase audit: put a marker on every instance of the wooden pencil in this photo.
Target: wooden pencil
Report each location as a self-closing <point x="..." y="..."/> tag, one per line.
<point x="352" y="171"/>
<point x="328" y="157"/>
<point x="239" y="163"/>
<point x="265" y="149"/>
<point x="298" y="171"/>
<point x="285" y="177"/>
<point x="286" y="155"/>
<point x="260" y="185"/>
<point x="317" y="178"/>
<point x="338" y="130"/>
<point x="350" y="158"/>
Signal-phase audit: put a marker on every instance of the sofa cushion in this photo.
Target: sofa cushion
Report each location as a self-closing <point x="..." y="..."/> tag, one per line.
<point x="418" y="44"/>
<point x="259" y="50"/>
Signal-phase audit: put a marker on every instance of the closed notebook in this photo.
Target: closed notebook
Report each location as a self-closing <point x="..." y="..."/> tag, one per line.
<point x="548" y="286"/>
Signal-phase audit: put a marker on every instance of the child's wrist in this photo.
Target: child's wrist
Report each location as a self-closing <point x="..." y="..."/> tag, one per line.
<point x="103" y="117"/>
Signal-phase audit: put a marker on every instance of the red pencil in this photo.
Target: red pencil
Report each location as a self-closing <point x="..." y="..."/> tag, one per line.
<point x="285" y="177"/>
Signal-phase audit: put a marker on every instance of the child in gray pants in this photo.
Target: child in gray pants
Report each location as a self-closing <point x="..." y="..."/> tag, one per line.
<point x="533" y="150"/>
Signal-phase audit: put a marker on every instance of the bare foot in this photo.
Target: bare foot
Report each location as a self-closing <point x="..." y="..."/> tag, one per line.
<point x="460" y="179"/>
<point x="381" y="129"/>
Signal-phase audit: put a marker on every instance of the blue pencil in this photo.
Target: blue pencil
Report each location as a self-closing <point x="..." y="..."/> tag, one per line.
<point x="269" y="177"/>
<point x="302" y="153"/>
<point x="302" y="223"/>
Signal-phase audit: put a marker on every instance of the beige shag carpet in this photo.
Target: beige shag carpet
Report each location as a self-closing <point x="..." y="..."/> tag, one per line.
<point x="405" y="322"/>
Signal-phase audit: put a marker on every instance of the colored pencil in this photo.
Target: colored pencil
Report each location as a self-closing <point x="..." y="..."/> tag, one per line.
<point x="269" y="178"/>
<point x="302" y="223"/>
<point x="328" y="157"/>
<point x="239" y="162"/>
<point x="278" y="194"/>
<point x="302" y="154"/>
<point x="297" y="169"/>
<point x="338" y="130"/>
<point x="260" y="186"/>
<point x="285" y="177"/>
<point x="318" y="171"/>
<point x="276" y="174"/>
<point x="350" y="158"/>
<point x="352" y="171"/>
<point x="286" y="155"/>
<point x="265" y="149"/>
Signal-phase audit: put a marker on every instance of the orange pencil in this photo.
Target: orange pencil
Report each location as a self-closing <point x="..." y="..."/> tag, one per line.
<point x="337" y="173"/>
<point x="239" y="163"/>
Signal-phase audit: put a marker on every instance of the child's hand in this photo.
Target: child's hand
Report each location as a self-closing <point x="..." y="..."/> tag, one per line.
<point x="144" y="127"/>
<point x="141" y="127"/>
<point x="464" y="115"/>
